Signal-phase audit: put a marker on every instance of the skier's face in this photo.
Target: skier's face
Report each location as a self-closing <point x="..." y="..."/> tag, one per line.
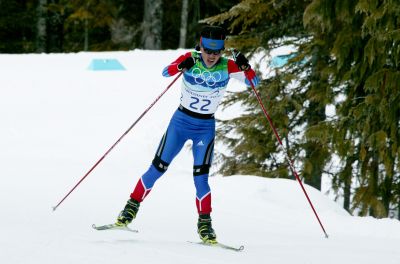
<point x="210" y="57"/>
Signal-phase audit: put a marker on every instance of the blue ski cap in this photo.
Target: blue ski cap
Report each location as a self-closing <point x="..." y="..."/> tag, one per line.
<point x="213" y="38"/>
<point x="212" y="44"/>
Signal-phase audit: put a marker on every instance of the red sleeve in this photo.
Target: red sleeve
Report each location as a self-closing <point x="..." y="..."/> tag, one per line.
<point x="244" y="76"/>
<point x="172" y="69"/>
<point x="232" y="67"/>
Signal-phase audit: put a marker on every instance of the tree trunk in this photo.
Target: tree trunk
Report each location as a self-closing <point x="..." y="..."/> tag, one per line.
<point x="314" y="151"/>
<point x="41" y="35"/>
<point x="398" y="209"/>
<point x="387" y="190"/>
<point x="373" y="186"/>
<point x="86" y="42"/>
<point x="183" y="31"/>
<point x="152" y="24"/>
<point x="347" y="180"/>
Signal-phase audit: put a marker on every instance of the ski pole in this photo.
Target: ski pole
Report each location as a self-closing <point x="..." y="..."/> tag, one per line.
<point x="116" y="143"/>
<point x="291" y="166"/>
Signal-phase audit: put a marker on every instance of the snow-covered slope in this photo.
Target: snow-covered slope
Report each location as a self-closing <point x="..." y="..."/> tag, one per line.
<point x="57" y="119"/>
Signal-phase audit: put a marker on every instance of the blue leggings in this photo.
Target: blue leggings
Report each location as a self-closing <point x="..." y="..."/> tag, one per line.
<point x="183" y="127"/>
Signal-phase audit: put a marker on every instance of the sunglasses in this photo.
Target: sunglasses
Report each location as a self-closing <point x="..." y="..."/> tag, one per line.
<point x="210" y="51"/>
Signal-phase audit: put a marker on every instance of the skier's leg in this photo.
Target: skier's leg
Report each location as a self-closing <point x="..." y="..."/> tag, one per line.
<point x="203" y="153"/>
<point x="168" y="148"/>
<point x="170" y="145"/>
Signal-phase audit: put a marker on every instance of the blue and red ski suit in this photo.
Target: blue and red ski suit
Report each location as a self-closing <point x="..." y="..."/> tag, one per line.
<point x="202" y="89"/>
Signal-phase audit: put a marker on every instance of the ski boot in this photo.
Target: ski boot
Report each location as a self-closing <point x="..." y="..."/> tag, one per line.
<point x="205" y="230"/>
<point x="129" y="213"/>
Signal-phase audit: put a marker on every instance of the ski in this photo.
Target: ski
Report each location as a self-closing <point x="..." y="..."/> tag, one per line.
<point x="114" y="227"/>
<point x="220" y="245"/>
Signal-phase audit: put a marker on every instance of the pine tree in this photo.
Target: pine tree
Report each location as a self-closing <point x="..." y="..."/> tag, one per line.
<point x="294" y="95"/>
<point x="93" y="18"/>
<point x="351" y="50"/>
<point x="365" y="49"/>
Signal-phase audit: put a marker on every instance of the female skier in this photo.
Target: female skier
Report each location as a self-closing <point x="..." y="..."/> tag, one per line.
<point x="205" y="78"/>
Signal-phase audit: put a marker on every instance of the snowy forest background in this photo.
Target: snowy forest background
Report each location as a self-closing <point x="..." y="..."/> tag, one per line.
<point x="335" y="103"/>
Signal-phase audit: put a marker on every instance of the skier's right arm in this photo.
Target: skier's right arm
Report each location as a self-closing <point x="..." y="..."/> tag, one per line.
<point x="183" y="62"/>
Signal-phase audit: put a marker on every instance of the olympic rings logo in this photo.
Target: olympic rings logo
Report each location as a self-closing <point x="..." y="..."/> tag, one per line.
<point x="207" y="77"/>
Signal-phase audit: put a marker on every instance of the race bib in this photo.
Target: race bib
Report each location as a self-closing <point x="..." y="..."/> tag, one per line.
<point x="202" y="102"/>
<point x="203" y="88"/>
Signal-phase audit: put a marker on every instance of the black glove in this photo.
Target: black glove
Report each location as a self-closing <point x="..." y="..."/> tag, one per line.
<point x="242" y="62"/>
<point x="186" y="64"/>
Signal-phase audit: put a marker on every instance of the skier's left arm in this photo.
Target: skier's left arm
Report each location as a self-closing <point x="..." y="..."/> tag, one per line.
<point x="241" y="70"/>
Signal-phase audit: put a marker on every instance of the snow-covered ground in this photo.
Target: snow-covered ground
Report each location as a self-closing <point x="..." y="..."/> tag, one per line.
<point x="57" y="119"/>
